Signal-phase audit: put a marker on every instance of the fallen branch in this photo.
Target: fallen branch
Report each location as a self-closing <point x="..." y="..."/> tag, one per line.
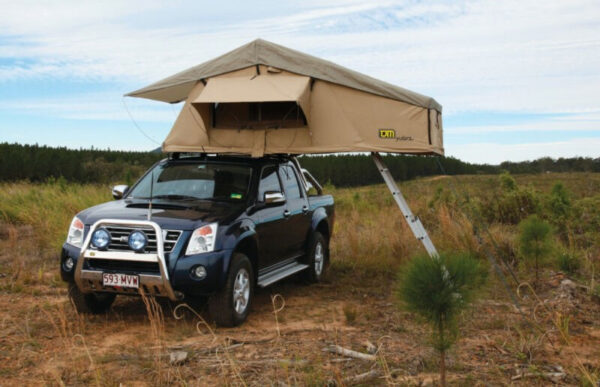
<point x="554" y="377"/>
<point x="349" y="353"/>
<point x="360" y="378"/>
<point x="249" y="363"/>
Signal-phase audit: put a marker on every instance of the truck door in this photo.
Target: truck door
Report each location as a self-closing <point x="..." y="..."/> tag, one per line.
<point x="297" y="215"/>
<point x="271" y="228"/>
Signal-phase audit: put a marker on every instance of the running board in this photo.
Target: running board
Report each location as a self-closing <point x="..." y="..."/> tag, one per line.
<point x="277" y="274"/>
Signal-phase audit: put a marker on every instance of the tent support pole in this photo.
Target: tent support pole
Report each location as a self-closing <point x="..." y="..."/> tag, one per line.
<point x="413" y="221"/>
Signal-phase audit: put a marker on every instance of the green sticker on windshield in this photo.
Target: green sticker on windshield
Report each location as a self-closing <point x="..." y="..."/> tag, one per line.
<point x="235" y="196"/>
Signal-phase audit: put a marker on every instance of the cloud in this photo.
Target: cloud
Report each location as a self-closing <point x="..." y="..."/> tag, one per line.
<point x="492" y="153"/>
<point x="506" y="56"/>
<point x="93" y="106"/>
<point x="585" y="121"/>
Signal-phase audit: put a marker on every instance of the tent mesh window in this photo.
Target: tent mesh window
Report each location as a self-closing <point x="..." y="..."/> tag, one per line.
<point x="257" y="115"/>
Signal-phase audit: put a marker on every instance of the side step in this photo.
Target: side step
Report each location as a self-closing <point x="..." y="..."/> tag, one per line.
<point x="280" y="273"/>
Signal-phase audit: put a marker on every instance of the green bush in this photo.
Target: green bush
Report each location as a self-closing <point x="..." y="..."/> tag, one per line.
<point x="535" y="242"/>
<point x="569" y="262"/>
<point x="585" y="222"/>
<point x="512" y="204"/>
<point x="439" y="290"/>
<point x="560" y="201"/>
<point x="507" y="182"/>
<point x="517" y="205"/>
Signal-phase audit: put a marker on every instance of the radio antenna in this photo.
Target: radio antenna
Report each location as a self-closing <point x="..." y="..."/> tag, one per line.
<point x="151" y="195"/>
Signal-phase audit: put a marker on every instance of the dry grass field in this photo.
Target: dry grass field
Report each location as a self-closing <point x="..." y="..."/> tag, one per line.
<point x="553" y="338"/>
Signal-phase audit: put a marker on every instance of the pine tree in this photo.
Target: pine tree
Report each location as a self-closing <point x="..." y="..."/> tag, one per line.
<point x="439" y="289"/>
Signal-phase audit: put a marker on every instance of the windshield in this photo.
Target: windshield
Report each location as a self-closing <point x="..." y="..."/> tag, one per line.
<point x="194" y="181"/>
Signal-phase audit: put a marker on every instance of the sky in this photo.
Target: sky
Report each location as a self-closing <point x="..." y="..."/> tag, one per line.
<point x="518" y="80"/>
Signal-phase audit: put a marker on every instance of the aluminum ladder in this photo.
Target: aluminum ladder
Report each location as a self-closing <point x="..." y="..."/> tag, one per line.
<point x="413" y="221"/>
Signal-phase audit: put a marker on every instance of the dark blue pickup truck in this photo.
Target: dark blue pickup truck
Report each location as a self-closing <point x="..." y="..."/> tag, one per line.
<point x="197" y="226"/>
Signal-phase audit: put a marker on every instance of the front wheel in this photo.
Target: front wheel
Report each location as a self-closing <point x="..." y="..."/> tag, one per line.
<point x="90" y="303"/>
<point x="317" y="258"/>
<point x="230" y="307"/>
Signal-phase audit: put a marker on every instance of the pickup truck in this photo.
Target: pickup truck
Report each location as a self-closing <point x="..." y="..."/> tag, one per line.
<point x="201" y="227"/>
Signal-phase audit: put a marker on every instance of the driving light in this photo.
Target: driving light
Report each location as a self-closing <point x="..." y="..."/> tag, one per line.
<point x="202" y="240"/>
<point x="75" y="235"/>
<point x="100" y="238"/>
<point x="68" y="264"/>
<point x="137" y="241"/>
<point x="199" y="272"/>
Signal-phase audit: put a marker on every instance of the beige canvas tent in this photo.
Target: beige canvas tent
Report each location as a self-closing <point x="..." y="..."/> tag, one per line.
<point x="263" y="98"/>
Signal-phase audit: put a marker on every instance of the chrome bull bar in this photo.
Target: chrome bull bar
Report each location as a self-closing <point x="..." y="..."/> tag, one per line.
<point x="89" y="281"/>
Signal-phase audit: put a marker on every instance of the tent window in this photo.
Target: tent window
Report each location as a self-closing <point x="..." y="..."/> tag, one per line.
<point x="258" y="115"/>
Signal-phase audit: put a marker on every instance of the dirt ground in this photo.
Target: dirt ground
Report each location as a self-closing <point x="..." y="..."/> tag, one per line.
<point x="44" y="342"/>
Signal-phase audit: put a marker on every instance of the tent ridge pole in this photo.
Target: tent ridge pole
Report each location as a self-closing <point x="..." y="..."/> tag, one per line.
<point x="413" y="221"/>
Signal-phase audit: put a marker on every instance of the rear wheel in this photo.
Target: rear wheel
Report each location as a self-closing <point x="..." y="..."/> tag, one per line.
<point x="90" y="303"/>
<point x="317" y="258"/>
<point x="230" y="307"/>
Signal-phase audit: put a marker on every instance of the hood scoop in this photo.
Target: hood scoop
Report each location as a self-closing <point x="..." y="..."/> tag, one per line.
<point x="158" y="206"/>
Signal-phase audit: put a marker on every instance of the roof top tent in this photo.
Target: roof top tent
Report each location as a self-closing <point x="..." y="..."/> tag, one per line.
<point x="263" y="98"/>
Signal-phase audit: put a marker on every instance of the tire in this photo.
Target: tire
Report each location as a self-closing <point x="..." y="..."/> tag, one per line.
<point x="221" y="307"/>
<point x="316" y="258"/>
<point x="90" y="303"/>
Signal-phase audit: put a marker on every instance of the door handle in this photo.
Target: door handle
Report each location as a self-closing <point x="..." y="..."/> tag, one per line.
<point x="286" y="213"/>
<point x="305" y="209"/>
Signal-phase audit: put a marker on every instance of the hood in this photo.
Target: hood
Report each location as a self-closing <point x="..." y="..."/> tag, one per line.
<point x="172" y="215"/>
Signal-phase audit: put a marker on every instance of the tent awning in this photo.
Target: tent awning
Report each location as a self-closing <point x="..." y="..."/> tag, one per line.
<point x="258" y="88"/>
<point x="177" y="87"/>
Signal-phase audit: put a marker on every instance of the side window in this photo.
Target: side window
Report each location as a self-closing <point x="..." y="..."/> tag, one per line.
<point x="268" y="182"/>
<point x="290" y="182"/>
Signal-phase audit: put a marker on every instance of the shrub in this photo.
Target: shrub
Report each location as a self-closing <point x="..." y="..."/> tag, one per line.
<point x="439" y="290"/>
<point x="569" y="262"/>
<point x="512" y="204"/>
<point x="585" y="222"/>
<point x="560" y="202"/>
<point x="517" y="205"/>
<point x="507" y="182"/>
<point x="535" y="242"/>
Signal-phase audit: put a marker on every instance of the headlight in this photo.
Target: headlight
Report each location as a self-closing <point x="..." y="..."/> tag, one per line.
<point x="100" y="238"/>
<point x="137" y="241"/>
<point x="202" y="240"/>
<point x="75" y="236"/>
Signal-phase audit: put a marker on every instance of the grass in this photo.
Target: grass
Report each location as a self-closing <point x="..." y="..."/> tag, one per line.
<point x="48" y="208"/>
<point x="43" y="339"/>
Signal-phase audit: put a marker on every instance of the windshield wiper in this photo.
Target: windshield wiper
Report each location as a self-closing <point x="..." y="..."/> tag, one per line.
<point x="174" y="197"/>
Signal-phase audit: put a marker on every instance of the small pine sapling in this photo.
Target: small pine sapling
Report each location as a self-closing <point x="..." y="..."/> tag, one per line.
<point x="439" y="289"/>
<point x="535" y="242"/>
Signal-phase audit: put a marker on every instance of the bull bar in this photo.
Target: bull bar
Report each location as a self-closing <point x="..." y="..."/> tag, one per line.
<point x="89" y="281"/>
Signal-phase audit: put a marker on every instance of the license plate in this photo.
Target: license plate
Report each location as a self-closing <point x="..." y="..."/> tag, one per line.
<point x="120" y="280"/>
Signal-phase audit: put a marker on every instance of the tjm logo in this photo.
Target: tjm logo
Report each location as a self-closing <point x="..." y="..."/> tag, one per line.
<point x="390" y="134"/>
<point x="387" y="133"/>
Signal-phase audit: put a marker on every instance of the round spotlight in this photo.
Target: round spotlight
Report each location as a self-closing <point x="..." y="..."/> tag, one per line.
<point x="199" y="272"/>
<point x="101" y="238"/>
<point x="138" y="241"/>
<point x="68" y="264"/>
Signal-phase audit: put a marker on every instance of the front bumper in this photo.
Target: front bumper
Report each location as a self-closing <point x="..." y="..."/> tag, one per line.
<point x="215" y="263"/>
<point x="151" y="284"/>
<point x="176" y="281"/>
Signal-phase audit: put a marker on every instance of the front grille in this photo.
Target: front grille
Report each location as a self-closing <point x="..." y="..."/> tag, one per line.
<point x="170" y="238"/>
<point x="120" y="234"/>
<point x="123" y="266"/>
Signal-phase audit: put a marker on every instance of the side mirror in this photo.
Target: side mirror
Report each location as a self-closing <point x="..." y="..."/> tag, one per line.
<point x="273" y="197"/>
<point x="119" y="191"/>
